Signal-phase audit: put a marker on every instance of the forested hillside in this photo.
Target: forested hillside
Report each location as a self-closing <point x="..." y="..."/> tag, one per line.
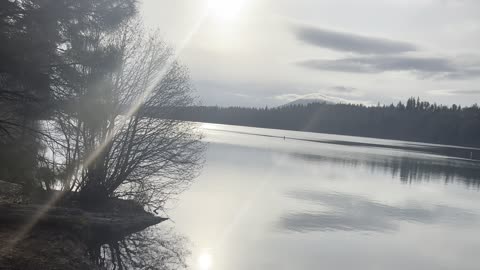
<point x="414" y="120"/>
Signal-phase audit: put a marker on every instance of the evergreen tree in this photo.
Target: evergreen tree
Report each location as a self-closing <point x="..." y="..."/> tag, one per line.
<point x="45" y="45"/>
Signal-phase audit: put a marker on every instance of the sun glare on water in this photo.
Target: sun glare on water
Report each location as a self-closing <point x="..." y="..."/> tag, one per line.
<point x="226" y="10"/>
<point x="205" y="261"/>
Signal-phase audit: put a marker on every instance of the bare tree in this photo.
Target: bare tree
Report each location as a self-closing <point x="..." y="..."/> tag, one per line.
<point x="114" y="136"/>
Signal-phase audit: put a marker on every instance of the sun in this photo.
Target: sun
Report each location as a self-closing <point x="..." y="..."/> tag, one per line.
<point x="225" y="10"/>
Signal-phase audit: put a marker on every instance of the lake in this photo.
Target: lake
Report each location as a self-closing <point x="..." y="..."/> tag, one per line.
<point x="274" y="199"/>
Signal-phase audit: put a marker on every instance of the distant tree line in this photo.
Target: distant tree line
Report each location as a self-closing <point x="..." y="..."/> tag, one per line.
<point x="415" y="120"/>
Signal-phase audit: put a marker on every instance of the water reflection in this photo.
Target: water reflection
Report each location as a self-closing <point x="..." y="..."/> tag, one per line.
<point x="156" y="248"/>
<point x="444" y="150"/>
<point x="340" y="198"/>
<point x="357" y="213"/>
<point x="407" y="168"/>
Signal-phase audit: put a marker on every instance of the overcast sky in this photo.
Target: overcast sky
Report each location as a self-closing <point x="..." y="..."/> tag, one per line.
<point x="270" y="52"/>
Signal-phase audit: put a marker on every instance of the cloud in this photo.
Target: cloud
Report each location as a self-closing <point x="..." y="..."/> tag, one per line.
<point x="380" y="55"/>
<point x="348" y="42"/>
<point x="241" y="95"/>
<point x="424" y="66"/>
<point x="375" y="64"/>
<point x="466" y="73"/>
<point x="343" y="89"/>
<point x="447" y="92"/>
<point x="357" y="213"/>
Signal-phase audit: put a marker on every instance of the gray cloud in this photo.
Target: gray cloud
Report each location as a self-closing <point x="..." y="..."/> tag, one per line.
<point x="357" y="213"/>
<point x="343" y="89"/>
<point x="425" y="66"/>
<point x="348" y="42"/>
<point x="454" y="92"/>
<point x="375" y="64"/>
<point x="466" y="73"/>
<point x="466" y="92"/>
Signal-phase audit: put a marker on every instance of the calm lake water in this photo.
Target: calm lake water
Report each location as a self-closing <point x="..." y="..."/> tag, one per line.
<point x="316" y="201"/>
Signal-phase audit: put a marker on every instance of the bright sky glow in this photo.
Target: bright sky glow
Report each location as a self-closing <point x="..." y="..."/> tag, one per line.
<point x="226" y="10"/>
<point x="267" y="52"/>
